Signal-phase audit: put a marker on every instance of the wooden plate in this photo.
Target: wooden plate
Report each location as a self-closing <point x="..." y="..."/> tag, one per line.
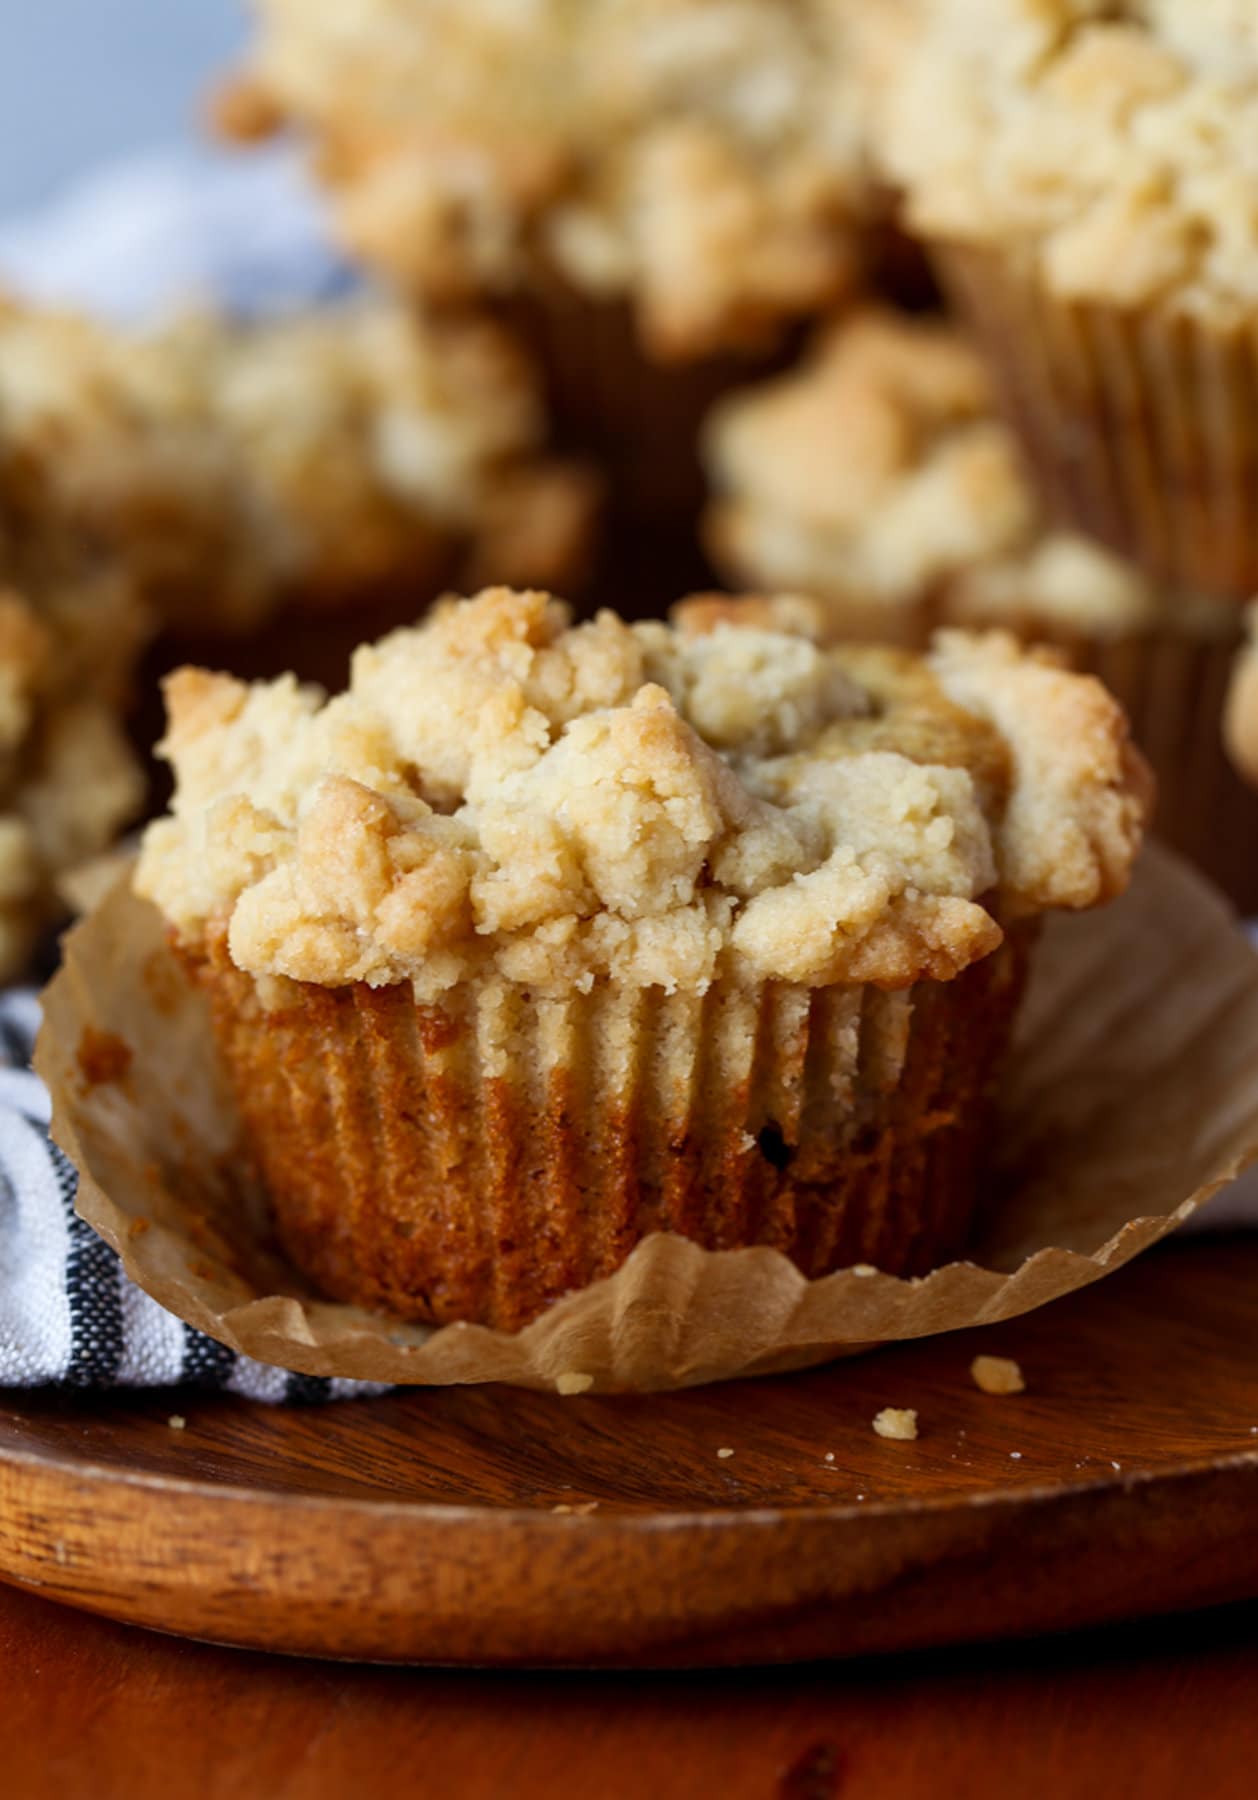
<point x="493" y="1527"/>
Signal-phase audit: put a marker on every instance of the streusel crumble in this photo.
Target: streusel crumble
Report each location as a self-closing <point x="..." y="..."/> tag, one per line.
<point x="501" y="793"/>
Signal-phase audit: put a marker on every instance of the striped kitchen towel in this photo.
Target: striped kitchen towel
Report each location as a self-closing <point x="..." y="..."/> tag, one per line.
<point x="69" y="1316"/>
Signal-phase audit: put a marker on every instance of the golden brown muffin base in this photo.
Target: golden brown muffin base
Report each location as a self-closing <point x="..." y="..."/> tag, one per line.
<point x="1140" y="425"/>
<point x="840" y="1126"/>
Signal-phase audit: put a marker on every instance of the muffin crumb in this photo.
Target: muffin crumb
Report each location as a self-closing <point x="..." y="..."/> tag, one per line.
<point x="572" y="1381"/>
<point x="896" y="1422"/>
<point x="724" y="1452"/>
<point x="177" y="1422"/>
<point x="997" y="1375"/>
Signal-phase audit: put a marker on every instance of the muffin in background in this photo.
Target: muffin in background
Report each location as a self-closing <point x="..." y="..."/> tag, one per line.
<point x="1084" y="175"/>
<point x="225" y="473"/>
<point x="542" y="938"/>
<point x="1240" y="719"/>
<point x="652" y="191"/>
<point x="68" y="779"/>
<point x="877" y="479"/>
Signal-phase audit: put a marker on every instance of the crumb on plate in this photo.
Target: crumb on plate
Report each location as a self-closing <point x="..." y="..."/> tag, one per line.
<point x="572" y="1381"/>
<point x="896" y="1422"/>
<point x="997" y="1375"/>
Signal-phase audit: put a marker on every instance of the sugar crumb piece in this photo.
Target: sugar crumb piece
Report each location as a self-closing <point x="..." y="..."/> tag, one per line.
<point x="580" y="1509"/>
<point x="724" y="1452"/>
<point x="1016" y="1455"/>
<point x="829" y="1455"/>
<point x="572" y="1381"/>
<point x="862" y="1269"/>
<point x="176" y="1421"/>
<point x="1116" y="1465"/>
<point x="997" y="1375"/>
<point x="896" y="1422"/>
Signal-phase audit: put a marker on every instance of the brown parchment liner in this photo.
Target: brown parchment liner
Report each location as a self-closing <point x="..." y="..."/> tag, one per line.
<point x="1140" y="424"/>
<point x="1132" y="1097"/>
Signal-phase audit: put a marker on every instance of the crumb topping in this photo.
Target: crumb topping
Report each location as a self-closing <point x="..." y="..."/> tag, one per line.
<point x="705" y="158"/>
<point x="219" y="470"/>
<point x="501" y="792"/>
<point x="877" y="476"/>
<point x="1114" y="141"/>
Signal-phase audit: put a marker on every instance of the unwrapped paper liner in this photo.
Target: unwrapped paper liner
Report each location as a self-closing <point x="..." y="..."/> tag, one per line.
<point x="1131" y="1098"/>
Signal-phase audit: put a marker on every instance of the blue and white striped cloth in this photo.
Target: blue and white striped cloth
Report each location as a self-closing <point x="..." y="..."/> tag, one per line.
<point x="69" y="1316"/>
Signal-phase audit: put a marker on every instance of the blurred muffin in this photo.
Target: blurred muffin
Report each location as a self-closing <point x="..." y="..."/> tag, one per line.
<point x="876" y="478"/>
<point x="225" y="472"/>
<point x="1241" y="715"/>
<point x="642" y="182"/>
<point x="68" y="780"/>
<point x="540" y="939"/>
<point x="1085" y="173"/>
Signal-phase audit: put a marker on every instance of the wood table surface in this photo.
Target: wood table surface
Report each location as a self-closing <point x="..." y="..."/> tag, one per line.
<point x="1159" y="1365"/>
<point x="91" y="1708"/>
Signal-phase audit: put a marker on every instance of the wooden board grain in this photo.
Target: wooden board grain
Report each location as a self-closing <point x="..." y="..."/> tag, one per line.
<point x="494" y="1527"/>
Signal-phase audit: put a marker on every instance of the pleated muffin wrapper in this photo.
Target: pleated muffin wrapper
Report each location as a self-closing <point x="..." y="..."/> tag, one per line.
<point x="1129" y="1099"/>
<point x="1140" y="423"/>
<point x="480" y="1157"/>
<point x="640" y="417"/>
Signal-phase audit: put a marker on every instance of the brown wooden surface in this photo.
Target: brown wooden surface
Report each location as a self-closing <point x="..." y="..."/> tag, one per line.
<point x="424" y="1526"/>
<point x="90" y="1710"/>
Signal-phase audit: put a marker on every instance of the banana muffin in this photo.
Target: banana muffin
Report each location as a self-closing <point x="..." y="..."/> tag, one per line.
<point x="1085" y="173"/>
<point x="224" y="471"/>
<point x="541" y="938"/>
<point x="652" y="188"/>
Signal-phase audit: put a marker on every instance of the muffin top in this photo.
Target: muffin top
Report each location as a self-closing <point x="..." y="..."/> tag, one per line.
<point x="223" y="468"/>
<point x="876" y="476"/>
<point x="702" y="157"/>
<point x="502" y="794"/>
<point x="1115" y="142"/>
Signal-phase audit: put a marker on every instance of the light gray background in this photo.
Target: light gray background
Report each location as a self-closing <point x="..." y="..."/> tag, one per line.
<point x="82" y="81"/>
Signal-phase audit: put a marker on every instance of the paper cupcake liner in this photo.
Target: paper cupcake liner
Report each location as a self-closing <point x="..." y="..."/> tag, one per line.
<point x="1130" y="1098"/>
<point x="1174" y="690"/>
<point x="640" y="418"/>
<point x="480" y="1159"/>
<point x="1141" y="425"/>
